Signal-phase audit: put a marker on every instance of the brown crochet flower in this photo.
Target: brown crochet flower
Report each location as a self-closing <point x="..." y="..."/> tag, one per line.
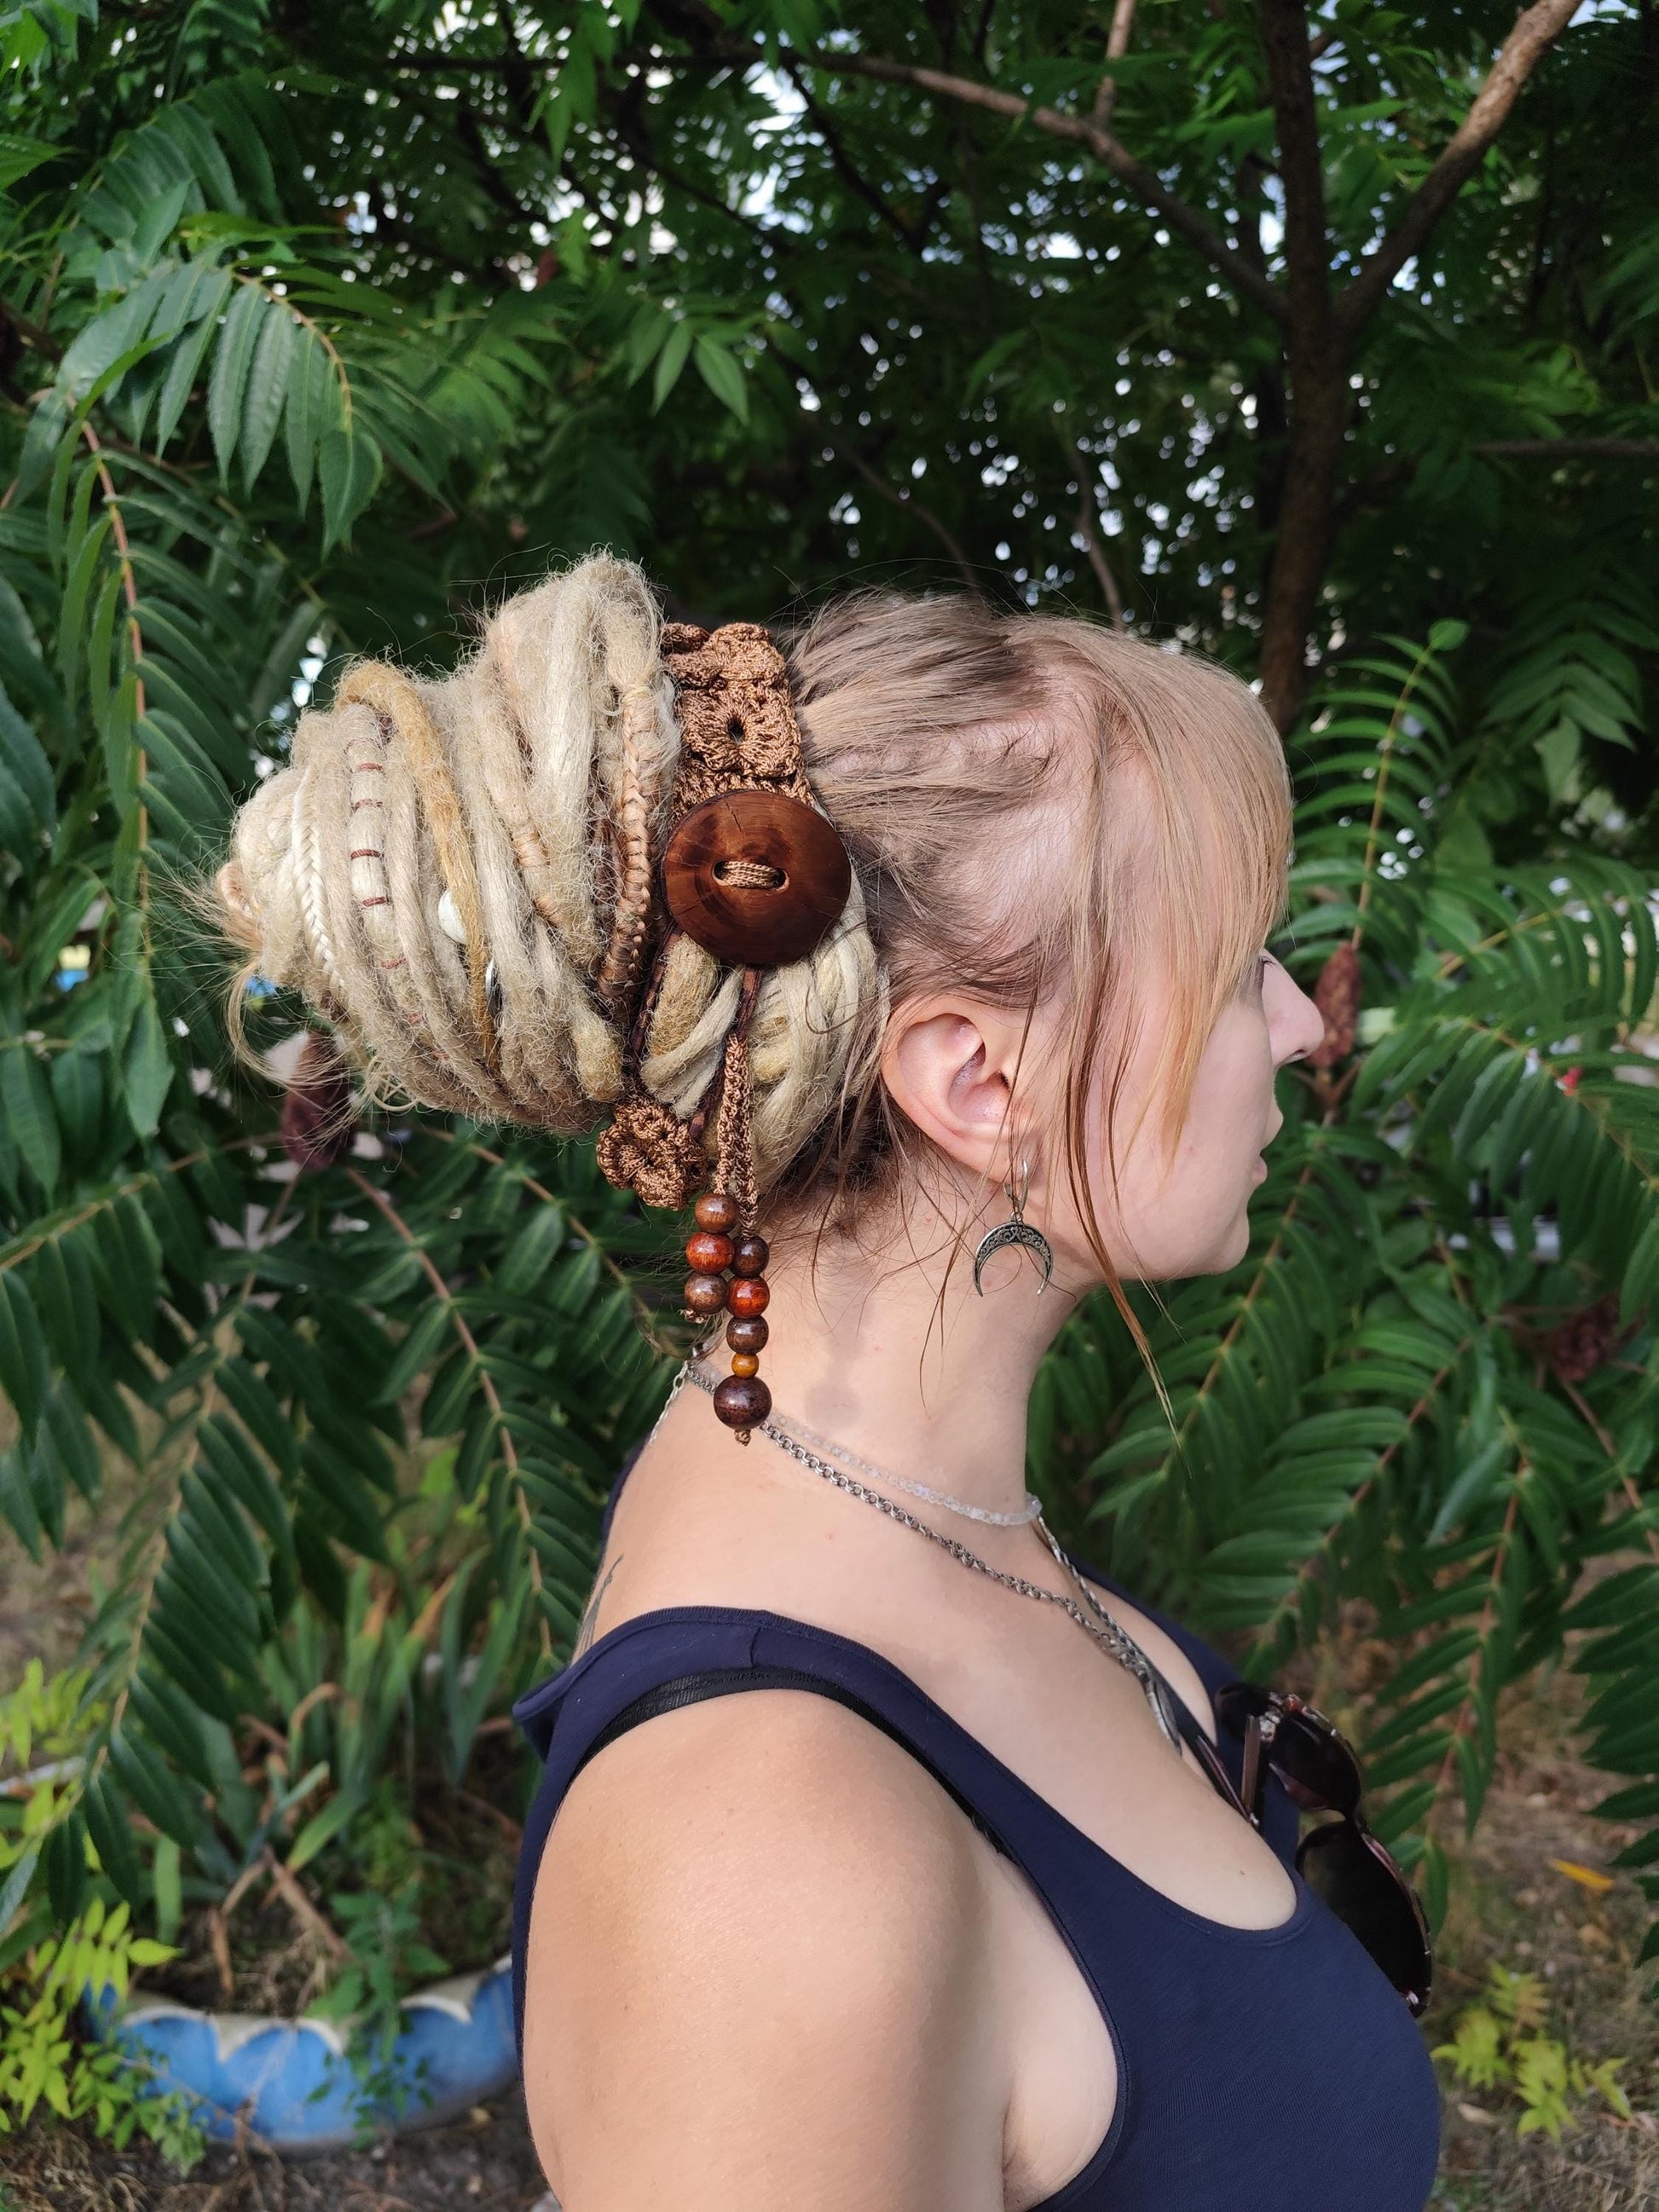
<point x="647" y="1149"/>
<point x="737" y="721"/>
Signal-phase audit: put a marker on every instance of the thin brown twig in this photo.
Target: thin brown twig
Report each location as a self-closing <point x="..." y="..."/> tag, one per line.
<point x="1088" y="529"/>
<point x="1117" y="44"/>
<point x="158" y="1542"/>
<point x="1534" y="31"/>
<point x="486" y="1383"/>
<point x="327" y="1937"/>
<point x="1569" y="449"/>
<point x="908" y="505"/>
<point x="118" y="529"/>
<point x="1603" y="1437"/>
<point x="1373" y="831"/>
<point x="1483" y="1630"/>
<point x="1145" y="183"/>
<point x="1358" y="1495"/>
<point x="17" y="1254"/>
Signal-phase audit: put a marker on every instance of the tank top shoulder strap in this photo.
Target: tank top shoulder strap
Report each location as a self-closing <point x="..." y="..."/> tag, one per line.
<point x="660" y="1662"/>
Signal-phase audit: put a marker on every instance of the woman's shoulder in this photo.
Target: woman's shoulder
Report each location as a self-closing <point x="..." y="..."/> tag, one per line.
<point x="752" y="1903"/>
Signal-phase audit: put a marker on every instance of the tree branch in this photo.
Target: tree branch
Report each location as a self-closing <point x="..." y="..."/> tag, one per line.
<point x="1536" y="29"/>
<point x="1569" y="449"/>
<point x="845" y="167"/>
<point x="902" y="501"/>
<point x="1117" y="44"/>
<point x="1145" y="183"/>
<point x="1088" y="529"/>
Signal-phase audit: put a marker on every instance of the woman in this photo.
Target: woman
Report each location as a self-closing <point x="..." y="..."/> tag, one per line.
<point x="956" y="1905"/>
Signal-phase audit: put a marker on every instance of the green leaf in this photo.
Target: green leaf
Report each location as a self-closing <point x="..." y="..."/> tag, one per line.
<point x="348" y="469"/>
<point x="670" y="361"/>
<point x="187" y="354"/>
<point x="267" y="391"/>
<point x="147" y="1069"/>
<point x="25" y="1374"/>
<point x="232" y="364"/>
<point x="321" y="1830"/>
<point x="310" y="410"/>
<point x="721" y="371"/>
<point x="19" y="156"/>
<point x="112" y="1839"/>
<point x="15" y="1887"/>
<point x="27" y="771"/>
<point x="17" y="1501"/>
<point x="153" y="1789"/>
<point x="165" y="1876"/>
<point x="413" y="1357"/>
<point x="65" y="1425"/>
<point x="26" y="1103"/>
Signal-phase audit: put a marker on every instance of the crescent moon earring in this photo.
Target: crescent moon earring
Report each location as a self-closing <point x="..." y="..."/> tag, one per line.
<point x="1016" y="1231"/>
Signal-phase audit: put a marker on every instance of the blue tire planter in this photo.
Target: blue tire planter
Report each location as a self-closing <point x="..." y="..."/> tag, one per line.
<point x="290" y="2083"/>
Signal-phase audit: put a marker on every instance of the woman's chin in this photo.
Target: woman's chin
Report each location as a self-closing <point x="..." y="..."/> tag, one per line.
<point x="1235" y="1245"/>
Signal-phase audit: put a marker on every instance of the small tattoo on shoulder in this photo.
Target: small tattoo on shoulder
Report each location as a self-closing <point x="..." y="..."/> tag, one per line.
<point x="591" y="1611"/>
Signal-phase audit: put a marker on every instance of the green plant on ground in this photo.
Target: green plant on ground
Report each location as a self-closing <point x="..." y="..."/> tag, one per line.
<point x="1234" y="334"/>
<point x="1500" y="2045"/>
<point x="47" y="2057"/>
<point x="385" y="1958"/>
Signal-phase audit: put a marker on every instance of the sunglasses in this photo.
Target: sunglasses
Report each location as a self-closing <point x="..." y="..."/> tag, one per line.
<point x="1341" y="1862"/>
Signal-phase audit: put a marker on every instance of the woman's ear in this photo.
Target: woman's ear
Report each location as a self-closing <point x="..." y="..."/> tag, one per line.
<point x="949" y="1068"/>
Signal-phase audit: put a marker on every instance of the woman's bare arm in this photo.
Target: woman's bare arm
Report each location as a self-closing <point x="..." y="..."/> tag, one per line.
<point x="757" y="1979"/>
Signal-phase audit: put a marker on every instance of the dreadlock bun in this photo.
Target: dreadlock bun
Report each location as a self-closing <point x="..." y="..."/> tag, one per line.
<point x="456" y="874"/>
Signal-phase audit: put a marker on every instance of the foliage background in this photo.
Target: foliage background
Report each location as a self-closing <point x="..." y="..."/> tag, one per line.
<point x="319" y="329"/>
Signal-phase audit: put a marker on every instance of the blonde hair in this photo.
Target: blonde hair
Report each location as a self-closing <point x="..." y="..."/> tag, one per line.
<point x="456" y="873"/>
<point x="1038" y="807"/>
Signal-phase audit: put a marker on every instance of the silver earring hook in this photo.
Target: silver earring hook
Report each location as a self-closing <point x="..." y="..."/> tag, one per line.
<point x="1018" y="1232"/>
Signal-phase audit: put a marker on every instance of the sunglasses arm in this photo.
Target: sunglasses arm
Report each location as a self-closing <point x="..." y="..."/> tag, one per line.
<point x="1258" y="1735"/>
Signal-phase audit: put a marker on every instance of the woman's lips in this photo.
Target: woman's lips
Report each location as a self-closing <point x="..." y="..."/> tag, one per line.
<point x="1258" y="1173"/>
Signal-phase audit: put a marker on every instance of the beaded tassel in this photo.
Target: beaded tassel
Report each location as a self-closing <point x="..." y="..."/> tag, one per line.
<point x="728" y="1258"/>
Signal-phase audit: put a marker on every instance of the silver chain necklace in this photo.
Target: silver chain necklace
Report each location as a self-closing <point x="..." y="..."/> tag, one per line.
<point x="1096" y="1622"/>
<point x="984" y="1514"/>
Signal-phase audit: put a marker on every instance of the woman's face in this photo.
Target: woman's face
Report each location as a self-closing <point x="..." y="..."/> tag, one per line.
<point x="1182" y="1213"/>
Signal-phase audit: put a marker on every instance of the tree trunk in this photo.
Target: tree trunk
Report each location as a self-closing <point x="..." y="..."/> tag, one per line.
<point x="1316" y="363"/>
<point x="1307" y="503"/>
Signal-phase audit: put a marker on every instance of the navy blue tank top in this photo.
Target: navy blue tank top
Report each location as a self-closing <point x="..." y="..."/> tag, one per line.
<point x="1259" y="2070"/>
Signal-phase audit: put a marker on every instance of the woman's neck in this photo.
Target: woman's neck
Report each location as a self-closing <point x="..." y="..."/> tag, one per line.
<point x="906" y="1365"/>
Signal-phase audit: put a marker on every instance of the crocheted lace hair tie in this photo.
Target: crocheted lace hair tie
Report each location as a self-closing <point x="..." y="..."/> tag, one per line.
<point x="753" y="873"/>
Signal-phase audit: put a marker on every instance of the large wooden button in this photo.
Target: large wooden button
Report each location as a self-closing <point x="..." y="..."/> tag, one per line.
<point x="714" y="856"/>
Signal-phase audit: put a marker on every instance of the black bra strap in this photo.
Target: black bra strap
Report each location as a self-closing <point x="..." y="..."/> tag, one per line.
<point x="723" y="1681"/>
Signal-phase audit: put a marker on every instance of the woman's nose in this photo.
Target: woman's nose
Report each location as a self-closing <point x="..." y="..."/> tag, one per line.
<point x="1295" y="1024"/>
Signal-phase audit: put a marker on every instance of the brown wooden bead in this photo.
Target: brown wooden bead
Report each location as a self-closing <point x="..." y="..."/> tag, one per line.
<point x="756" y="925"/>
<point x="749" y="1256"/>
<point x="705" y="1294"/>
<point x="749" y="1334"/>
<point x="745" y="1363"/>
<point x="709" y="1254"/>
<point x="717" y="1210"/>
<point x="745" y="1298"/>
<point x="742" y="1401"/>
